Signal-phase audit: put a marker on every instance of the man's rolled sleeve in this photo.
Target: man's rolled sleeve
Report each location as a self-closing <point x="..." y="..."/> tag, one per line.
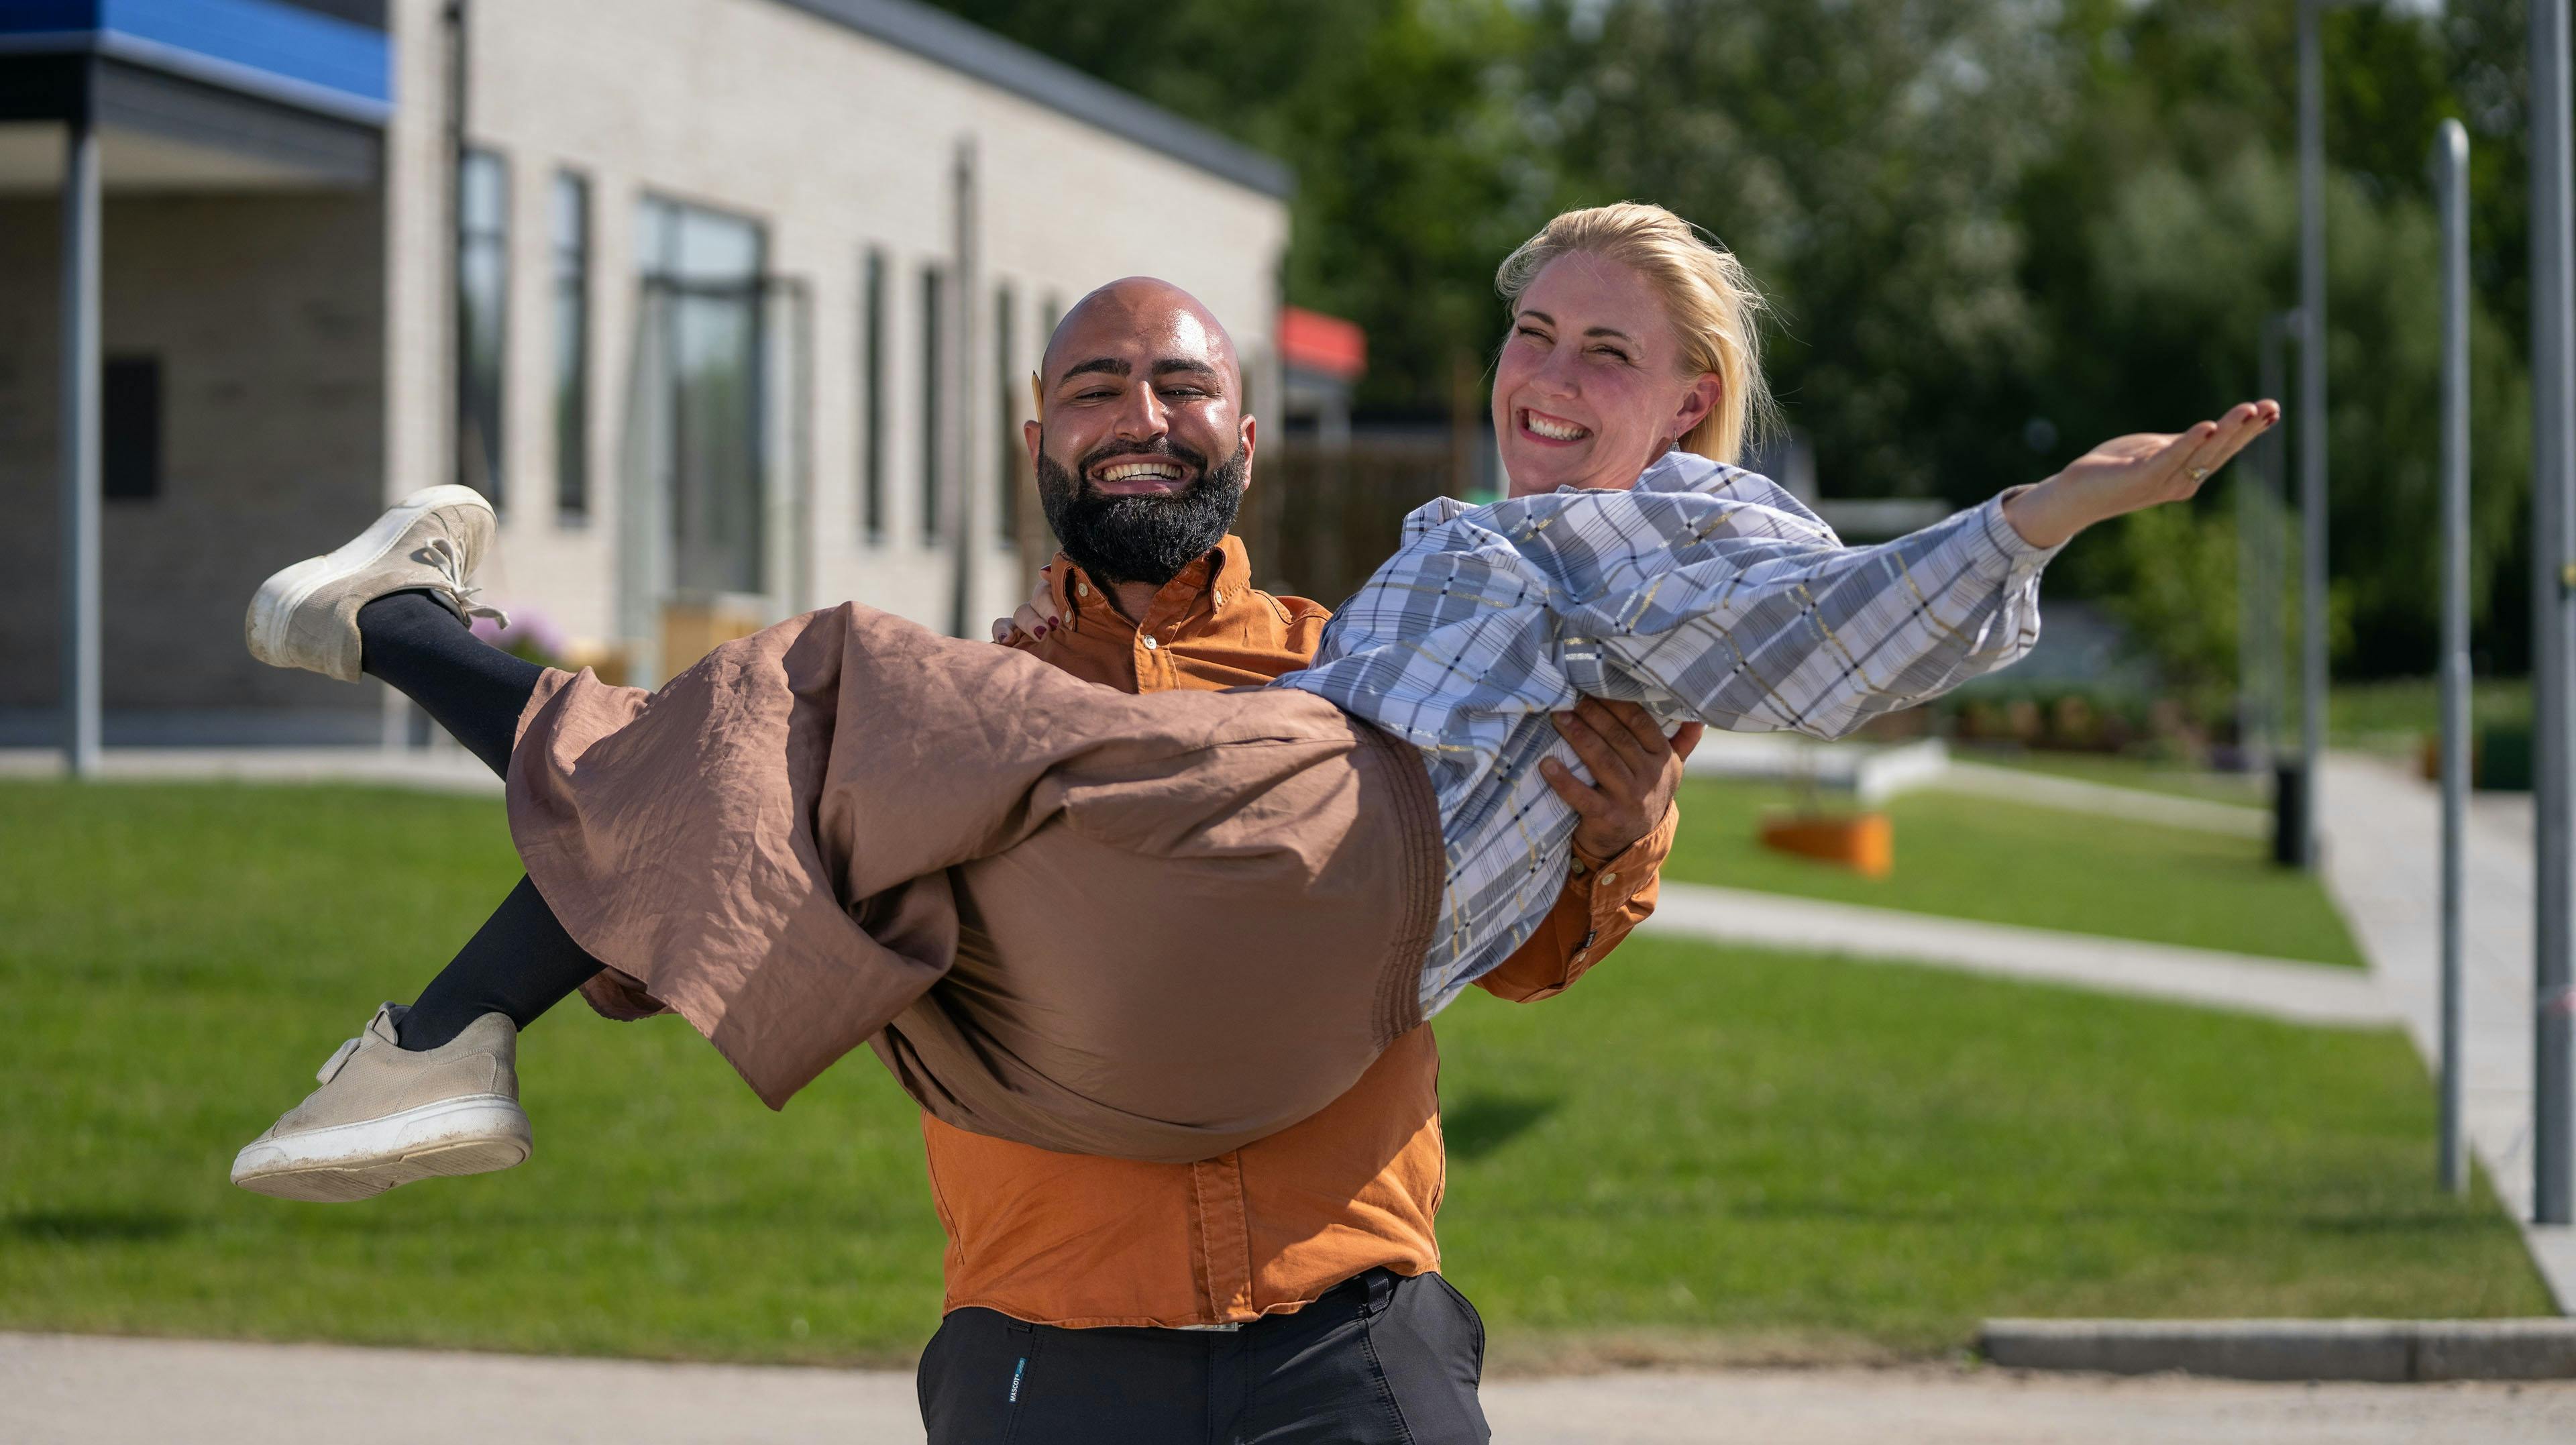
<point x="1595" y="911"/>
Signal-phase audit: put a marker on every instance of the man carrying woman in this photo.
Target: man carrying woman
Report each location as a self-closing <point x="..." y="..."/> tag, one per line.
<point x="1162" y="927"/>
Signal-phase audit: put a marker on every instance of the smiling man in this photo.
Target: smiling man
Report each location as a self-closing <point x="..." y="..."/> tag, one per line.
<point x="1287" y="1291"/>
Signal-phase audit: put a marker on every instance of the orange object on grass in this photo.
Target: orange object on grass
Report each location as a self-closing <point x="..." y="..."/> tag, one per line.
<point x="1862" y="842"/>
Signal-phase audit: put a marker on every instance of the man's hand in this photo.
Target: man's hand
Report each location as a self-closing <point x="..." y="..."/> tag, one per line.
<point x="1635" y="771"/>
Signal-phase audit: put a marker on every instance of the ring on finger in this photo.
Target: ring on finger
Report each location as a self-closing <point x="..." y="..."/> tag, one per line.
<point x="2199" y="474"/>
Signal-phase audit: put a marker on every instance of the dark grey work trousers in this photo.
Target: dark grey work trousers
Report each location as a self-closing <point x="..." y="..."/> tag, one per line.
<point x="1380" y="1358"/>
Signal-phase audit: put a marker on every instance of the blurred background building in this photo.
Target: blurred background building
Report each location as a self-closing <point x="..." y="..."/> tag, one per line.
<point x="728" y="305"/>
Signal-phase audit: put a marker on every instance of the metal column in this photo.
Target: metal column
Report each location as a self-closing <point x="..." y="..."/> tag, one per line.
<point x="80" y="446"/>
<point x="2289" y="816"/>
<point x="958" y="423"/>
<point x="2451" y="185"/>
<point x="2553" y="505"/>
<point x="2311" y="431"/>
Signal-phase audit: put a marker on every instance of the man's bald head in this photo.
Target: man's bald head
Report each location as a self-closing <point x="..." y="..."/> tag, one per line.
<point x="1139" y="321"/>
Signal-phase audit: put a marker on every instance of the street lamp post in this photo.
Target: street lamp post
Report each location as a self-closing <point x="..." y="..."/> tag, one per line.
<point x="2553" y="512"/>
<point x="2311" y="430"/>
<point x="2451" y="184"/>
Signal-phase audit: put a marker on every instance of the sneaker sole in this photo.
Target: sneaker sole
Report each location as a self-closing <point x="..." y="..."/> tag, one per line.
<point x="476" y="1134"/>
<point x="273" y="607"/>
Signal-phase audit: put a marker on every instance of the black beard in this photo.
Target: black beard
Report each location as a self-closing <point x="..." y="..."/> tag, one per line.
<point x="1140" y="538"/>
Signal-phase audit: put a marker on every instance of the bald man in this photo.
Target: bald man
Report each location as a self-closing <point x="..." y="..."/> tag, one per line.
<point x="1287" y="1290"/>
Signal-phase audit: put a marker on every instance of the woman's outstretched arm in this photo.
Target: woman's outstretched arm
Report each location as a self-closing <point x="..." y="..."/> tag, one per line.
<point x="1775" y="632"/>
<point x="1715" y="598"/>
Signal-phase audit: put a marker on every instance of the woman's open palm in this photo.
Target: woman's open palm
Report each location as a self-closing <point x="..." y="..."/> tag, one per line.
<point x="2134" y="472"/>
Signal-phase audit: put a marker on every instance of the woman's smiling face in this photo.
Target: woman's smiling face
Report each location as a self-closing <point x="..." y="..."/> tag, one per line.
<point x="1590" y="386"/>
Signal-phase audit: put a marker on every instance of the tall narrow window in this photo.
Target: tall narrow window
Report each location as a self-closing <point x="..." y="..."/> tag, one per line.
<point x="703" y="281"/>
<point x="1006" y="475"/>
<point x="130" y="428"/>
<point x="482" y="307"/>
<point x="572" y="344"/>
<point x="872" y="326"/>
<point x="934" y="369"/>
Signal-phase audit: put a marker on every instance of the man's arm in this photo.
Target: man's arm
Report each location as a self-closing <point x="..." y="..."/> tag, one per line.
<point x="1626" y="831"/>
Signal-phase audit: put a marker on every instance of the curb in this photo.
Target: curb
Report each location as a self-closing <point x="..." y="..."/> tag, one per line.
<point x="2384" y="1351"/>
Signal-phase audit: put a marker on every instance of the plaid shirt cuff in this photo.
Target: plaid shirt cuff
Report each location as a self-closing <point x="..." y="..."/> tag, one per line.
<point x="2013" y="558"/>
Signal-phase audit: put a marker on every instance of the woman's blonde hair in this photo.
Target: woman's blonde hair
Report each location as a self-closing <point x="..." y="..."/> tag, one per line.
<point x="1713" y="305"/>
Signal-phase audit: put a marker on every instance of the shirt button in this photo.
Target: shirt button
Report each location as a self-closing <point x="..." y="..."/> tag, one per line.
<point x="1081" y="589"/>
<point x="1609" y="880"/>
<point x="1149" y="644"/>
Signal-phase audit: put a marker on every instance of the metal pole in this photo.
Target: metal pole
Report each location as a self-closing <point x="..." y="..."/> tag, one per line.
<point x="2553" y="491"/>
<point x="2282" y="334"/>
<point x="960" y="382"/>
<point x="2451" y="183"/>
<point x="2311" y="432"/>
<point x="2289" y="818"/>
<point x="80" y="445"/>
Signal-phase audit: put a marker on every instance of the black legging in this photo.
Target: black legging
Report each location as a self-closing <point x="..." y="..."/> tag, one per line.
<point x="520" y="962"/>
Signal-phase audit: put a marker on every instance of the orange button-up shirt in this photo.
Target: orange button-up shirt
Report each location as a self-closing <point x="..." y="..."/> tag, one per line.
<point x="1070" y="1239"/>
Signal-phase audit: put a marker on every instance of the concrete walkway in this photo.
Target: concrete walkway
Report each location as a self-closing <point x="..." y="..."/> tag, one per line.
<point x="66" y="1390"/>
<point x="2383" y="852"/>
<point x="446" y="768"/>
<point x="2304" y="993"/>
<point x="2076" y="795"/>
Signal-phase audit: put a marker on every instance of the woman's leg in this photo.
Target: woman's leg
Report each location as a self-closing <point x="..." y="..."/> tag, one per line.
<point x="419" y="646"/>
<point x="519" y="963"/>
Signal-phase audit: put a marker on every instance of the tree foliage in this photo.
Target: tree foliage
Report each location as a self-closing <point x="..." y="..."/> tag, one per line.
<point x="1996" y="231"/>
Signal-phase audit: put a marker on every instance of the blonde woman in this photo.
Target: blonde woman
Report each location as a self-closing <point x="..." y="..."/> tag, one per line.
<point x="1161" y="926"/>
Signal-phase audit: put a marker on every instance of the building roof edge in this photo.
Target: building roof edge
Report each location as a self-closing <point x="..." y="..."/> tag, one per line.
<point x="970" y="49"/>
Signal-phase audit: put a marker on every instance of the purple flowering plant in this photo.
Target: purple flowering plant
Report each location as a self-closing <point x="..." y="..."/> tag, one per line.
<point x="530" y="635"/>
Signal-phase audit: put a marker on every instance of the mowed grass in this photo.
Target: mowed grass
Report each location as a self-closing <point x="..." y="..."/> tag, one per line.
<point x="1969" y="856"/>
<point x="1696" y="1146"/>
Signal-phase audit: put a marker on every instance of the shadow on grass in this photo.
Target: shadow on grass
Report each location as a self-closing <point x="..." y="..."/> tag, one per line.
<point x="93" y="1226"/>
<point x="1483" y="1123"/>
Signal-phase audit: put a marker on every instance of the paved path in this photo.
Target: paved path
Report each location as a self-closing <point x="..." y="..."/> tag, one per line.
<point x="2075" y="795"/>
<point x="2306" y="993"/>
<point x="59" y="1390"/>
<point x="2383" y="853"/>
<point x="444" y="769"/>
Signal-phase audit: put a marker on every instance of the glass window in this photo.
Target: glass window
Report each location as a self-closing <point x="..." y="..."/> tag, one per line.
<point x="130" y="428"/>
<point x="702" y="273"/>
<point x="872" y="327"/>
<point x="482" y="307"/>
<point x="572" y="344"/>
<point x="934" y="367"/>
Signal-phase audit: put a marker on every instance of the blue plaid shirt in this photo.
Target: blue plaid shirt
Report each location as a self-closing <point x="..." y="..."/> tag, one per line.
<point x="1706" y="593"/>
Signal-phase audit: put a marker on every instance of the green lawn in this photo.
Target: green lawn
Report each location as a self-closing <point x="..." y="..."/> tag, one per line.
<point x="2396" y="710"/>
<point x="1697" y="1146"/>
<point x="1969" y="856"/>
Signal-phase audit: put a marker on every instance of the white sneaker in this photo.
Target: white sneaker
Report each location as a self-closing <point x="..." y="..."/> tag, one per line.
<point x="307" y="615"/>
<point x="385" y="1116"/>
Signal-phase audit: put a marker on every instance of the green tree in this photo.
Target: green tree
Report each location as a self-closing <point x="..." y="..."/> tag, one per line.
<point x="1400" y="118"/>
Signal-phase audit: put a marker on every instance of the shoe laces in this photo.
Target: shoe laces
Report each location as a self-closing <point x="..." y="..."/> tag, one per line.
<point x="442" y="557"/>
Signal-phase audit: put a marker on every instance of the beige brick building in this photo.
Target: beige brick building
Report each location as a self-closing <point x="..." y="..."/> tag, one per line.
<point x="729" y="304"/>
